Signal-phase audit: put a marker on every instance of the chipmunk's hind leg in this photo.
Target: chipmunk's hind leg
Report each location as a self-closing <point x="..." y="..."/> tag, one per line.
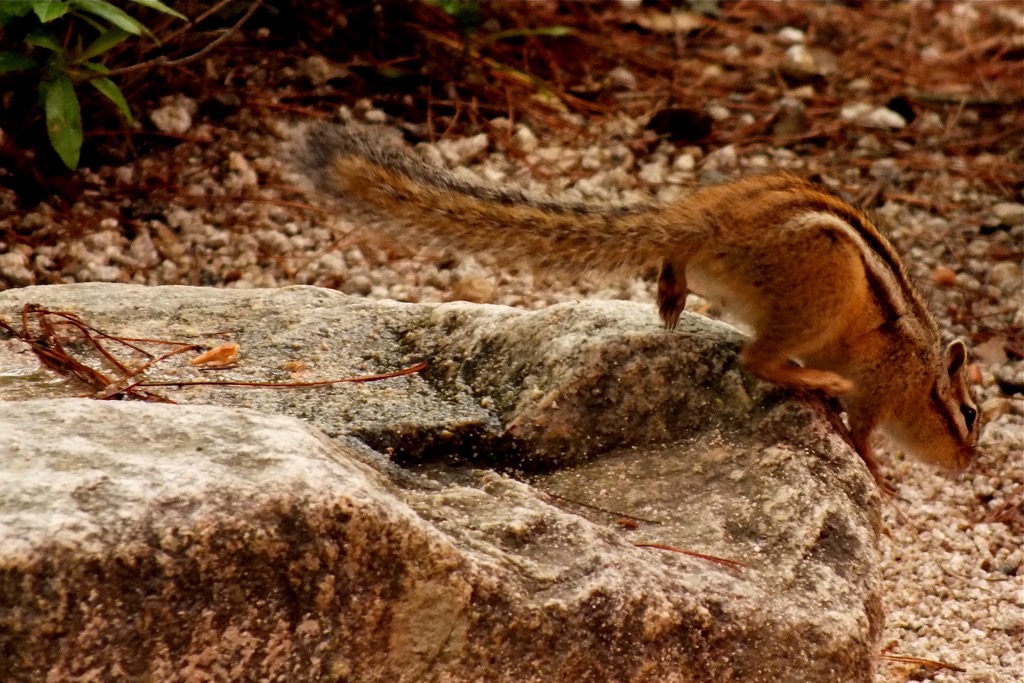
<point x="793" y="329"/>
<point x="671" y="292"/>
<point x="771" y="361"/>
<point x="808" y="290"/>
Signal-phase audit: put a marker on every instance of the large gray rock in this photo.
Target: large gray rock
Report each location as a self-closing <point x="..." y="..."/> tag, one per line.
<point x="162" y="542"/>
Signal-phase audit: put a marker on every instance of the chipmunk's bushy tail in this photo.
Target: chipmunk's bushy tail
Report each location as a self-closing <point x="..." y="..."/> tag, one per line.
<point x="368" y="173"/>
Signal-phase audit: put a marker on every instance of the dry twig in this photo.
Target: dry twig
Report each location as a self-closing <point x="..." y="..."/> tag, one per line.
<point x="41" y="331"/>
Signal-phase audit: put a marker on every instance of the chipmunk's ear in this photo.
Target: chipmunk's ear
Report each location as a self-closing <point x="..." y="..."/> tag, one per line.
<point x="956" y="356"/>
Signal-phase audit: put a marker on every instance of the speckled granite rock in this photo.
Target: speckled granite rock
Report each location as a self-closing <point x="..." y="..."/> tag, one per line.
<point x="178" y="543"/>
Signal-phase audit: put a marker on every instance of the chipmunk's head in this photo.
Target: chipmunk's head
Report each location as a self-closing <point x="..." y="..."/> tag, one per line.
<point x="943" y="427"/>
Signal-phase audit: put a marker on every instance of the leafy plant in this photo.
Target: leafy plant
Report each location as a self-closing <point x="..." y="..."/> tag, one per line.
<point x="64" y="42"/>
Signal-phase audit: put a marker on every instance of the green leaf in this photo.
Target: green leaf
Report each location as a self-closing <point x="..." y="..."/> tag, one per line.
<point x="96" y="66"/>
<point x="108" y="88"/>
<point x="48" y="10"/>
<point x="41" y="38"/>
<point x="113" y="93"/>
<point x="554" y="31"/>
<point x="114" y="15"/>
<point x="63" y="118"/>
<point x="96" y="24"/>
<point x="12" y="9"/>
<point x="161" y="7"/>
<point x="465" y="12"/>
<point x="108" y="39"/>
<point x="15" y="61"/>
<point x="391" y="72"/>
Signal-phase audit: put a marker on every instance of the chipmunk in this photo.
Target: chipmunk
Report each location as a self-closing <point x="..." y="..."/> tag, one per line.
<point x="827" y="299"/>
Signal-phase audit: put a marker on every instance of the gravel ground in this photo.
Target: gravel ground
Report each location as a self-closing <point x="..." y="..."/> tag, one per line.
<point x="222" y="211"/>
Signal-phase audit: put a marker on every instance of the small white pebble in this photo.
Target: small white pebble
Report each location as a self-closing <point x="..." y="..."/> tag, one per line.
<point x="790" y="35"/>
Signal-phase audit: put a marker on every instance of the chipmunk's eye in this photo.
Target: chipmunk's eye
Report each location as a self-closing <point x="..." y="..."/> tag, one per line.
<point x="970" y="415"/>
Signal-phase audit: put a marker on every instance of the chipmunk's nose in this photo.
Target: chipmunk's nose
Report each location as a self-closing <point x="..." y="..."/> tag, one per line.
<point x="966" y="457"/>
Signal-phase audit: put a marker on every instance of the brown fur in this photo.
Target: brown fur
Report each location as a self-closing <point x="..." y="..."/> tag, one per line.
<point x="812" y="277"/>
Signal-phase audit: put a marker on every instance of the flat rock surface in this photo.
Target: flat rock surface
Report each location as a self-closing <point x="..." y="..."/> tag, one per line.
<point x="551" y="387"/>
<point x="287" y="550"/>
